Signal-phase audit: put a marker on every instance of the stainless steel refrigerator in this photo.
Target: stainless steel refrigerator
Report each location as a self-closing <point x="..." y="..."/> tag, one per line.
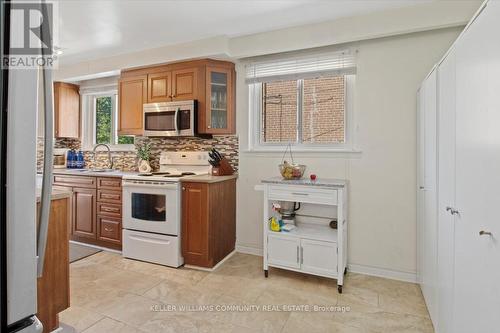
<point x="22" y="237"/>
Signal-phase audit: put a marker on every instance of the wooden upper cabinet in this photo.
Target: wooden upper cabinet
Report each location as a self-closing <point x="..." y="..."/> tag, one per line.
<point x="210" y="82"/>
<point x="132" y="93"/>
<point x="184" y="84"/>
<point x="160" y="87"/>
<point x="219" y="101"/>
<point x="66" y="110"/>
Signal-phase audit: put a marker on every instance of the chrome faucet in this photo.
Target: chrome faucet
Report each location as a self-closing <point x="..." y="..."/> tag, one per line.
<point x="109" y="155"/>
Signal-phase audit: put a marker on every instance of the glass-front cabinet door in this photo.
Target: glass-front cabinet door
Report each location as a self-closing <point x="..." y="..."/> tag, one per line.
<point x="219" y="100"/>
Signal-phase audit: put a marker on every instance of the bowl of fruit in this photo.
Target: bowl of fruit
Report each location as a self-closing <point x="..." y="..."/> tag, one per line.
<point x="291" y="171"/>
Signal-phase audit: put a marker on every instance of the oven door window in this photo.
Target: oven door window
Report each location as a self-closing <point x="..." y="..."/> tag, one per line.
<point x="149" y="207"/>
<point x="159" y="121"/>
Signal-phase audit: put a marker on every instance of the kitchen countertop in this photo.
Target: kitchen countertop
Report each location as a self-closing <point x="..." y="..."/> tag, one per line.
<point x="208" y="178"/>
<point x="75" y="172"/>
<point x="57" y="193"/>
<point x="321" y="182"/>
<point x="197" y="179"/>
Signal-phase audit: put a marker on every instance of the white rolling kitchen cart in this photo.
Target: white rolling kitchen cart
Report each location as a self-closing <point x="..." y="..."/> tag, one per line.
<point x="313" y="247"/>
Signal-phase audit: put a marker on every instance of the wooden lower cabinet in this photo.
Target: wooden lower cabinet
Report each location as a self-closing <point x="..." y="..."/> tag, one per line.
<point x="208" y="222"/>
<point x="96" y="216"/>
<point x="84" y="212"/>
<point x="53" y="287"/>
<point x="110" y="229"/>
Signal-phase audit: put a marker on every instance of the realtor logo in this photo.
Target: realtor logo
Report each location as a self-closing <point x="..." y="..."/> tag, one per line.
<point x="29" y="47"/>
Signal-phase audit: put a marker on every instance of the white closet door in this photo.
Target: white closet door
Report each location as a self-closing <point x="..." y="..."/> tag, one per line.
<point x="446" y="186"/>
<point x="477" y="258"/>
<point x="420" y="182"/>
<point x="429" y="223"/>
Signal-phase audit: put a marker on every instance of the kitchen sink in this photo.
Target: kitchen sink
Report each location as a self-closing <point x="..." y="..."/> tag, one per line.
<point x="102" y="170"/>
<point x="91" y="170"/>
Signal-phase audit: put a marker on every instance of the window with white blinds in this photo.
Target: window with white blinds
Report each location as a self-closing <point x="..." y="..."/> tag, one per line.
<point x="304" y="101"/>
<point x="314" y="65"/>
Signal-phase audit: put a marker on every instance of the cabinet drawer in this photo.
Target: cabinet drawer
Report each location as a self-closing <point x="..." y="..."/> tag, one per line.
<point x="109" y="196"/>
<point x="107" y="209"/>
<point x="75" y="181"/>
<point x="109" y="229"/>
<point x="109" y="183"/>
<point x="303" y="194"/>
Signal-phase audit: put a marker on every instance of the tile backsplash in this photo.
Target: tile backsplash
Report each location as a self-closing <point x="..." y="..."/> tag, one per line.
<point x="227" y="145"/>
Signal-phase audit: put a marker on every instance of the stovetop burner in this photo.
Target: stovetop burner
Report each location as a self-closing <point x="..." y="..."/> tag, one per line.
<point x="180" y="175"/>
<point x="167" y="174"/>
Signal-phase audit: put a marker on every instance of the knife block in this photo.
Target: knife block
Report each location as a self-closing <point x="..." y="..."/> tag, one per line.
<point x="224" y="168"/>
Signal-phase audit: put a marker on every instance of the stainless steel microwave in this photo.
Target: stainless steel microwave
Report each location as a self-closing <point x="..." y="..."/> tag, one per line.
<point x="170" y="118"/>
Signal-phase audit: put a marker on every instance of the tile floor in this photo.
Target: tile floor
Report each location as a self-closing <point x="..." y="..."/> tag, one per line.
<point x="111" y="294"/>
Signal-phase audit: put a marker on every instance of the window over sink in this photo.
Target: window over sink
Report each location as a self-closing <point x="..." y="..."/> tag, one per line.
<point x="100" y="114"/>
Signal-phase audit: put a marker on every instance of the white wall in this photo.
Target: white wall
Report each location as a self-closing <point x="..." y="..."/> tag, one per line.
<point x="382" y="234"/>
<point x="382" y="237"/>
<point x="418" y="18"/>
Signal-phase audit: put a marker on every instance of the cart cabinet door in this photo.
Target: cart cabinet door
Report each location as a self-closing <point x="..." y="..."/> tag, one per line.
<point x="319" y="257"/>
<point x="283" y="251"/>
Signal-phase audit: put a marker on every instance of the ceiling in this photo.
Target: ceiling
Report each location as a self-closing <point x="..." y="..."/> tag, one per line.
<point x="92" y="29"/>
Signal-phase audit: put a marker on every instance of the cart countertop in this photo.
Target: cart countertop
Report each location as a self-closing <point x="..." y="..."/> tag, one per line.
<point x="321" y="182"/>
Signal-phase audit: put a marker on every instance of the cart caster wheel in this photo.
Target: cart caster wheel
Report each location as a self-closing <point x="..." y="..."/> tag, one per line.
<point x="345" y="271"/>
<point x="266" y="273"/>
<point x="339" y="288"/>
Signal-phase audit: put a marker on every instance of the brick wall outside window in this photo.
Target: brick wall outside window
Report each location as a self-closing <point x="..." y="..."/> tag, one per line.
<point x="322" y="110"/>
<point x="279" y="112"/>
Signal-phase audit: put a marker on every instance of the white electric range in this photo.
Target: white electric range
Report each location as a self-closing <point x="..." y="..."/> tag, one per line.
<point x="152" y="208"/>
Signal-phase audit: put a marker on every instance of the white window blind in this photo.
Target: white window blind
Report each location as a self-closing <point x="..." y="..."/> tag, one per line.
<point x="333" y="63"/>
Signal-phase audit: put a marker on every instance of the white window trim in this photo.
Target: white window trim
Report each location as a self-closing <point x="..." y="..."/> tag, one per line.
<point x="88" y="124"/>
<point x="254" y="130"/>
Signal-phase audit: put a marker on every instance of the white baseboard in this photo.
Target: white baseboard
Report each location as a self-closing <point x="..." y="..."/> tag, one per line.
<point x="256" y="251"/>
<point x="96" y="247"/>
<point x="382" y="272"/>
<point x="361" y="269"/>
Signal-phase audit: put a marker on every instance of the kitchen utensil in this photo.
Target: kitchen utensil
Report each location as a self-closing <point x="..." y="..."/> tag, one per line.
<point x="217" y="154"/>
<point x="287" y="210"/>
<point x="221" y="166"/>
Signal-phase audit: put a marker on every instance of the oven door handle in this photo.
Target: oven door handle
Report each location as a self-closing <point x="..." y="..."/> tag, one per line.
<point x="145" y="185"/>
<point x="176" y="120"/>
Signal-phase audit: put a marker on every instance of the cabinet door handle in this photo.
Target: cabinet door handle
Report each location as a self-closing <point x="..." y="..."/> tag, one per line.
<point x="302" y="194"/>
<point x="482" y="232"/>
<point x="108" y="229"/>
<point x="301" y="255"/>
<point x="297" y="254"/>
<point x="452" y="210"/>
